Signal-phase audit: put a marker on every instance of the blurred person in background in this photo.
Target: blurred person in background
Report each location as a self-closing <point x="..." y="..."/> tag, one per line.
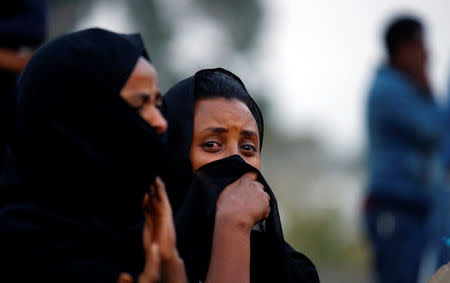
<point x="442" y="210"/>
<point x="23" y="25"/>
<point x="405" y="128"/>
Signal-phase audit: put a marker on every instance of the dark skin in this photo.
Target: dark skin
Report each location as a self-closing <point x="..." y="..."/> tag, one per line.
<point x="223" y="128"/>
<point x="141" y="91"/>
<point x="411" y="58"/>
<point x="162" y="262"/>
<point x="14" y="61"/>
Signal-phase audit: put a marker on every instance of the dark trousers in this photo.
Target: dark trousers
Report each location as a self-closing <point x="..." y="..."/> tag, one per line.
<point x="398" y="241"/>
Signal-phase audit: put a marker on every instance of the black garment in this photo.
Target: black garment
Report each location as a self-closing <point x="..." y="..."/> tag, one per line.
<point x="22" y="24"/>
<point x="272" y="259"/>
<point x="80" y="161"/>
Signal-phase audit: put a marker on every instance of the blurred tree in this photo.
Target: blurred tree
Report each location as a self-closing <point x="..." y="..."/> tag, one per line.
<point x="242" y="19"/>
<point x="238" y="19"/>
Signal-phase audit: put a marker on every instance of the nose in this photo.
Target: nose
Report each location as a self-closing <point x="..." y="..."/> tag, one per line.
<point x="159" y="122"/>
<point x="234" y="150"/>
<point x="154" y="118"/>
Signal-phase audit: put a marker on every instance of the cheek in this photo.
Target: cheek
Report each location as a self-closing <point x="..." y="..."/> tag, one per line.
<point x="254" y="161"/>
<point x="199" y="157"/>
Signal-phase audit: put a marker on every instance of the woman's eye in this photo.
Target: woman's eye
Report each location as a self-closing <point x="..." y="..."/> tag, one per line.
<point x="145" y="98"/>
<point x="136" y="108"/>
<point x="249" y="148"/>
<point x="211" y="146"/>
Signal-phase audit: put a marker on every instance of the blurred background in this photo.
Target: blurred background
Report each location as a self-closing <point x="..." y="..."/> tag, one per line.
<point x="308" y="64"/>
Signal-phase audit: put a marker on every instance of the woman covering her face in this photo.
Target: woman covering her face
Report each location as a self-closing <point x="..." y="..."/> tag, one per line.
<point x="84" y="147"/>
<point x="226" y="216"/>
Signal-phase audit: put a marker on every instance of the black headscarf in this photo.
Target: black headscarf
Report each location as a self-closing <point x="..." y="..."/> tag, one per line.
<point x="80" y="159"/>
<point x="179" y="103"/>
<point x="194" y="195"/>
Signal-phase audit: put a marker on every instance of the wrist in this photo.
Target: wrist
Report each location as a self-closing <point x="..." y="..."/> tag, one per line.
<point x="230" y="253"/>
<point x="232" y="222"/>
<point x="171" y="258"/>
<point x="173" y="270"/>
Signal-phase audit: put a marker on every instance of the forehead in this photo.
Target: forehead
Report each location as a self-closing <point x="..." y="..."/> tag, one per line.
<point x="142" y="79"/>
<point x="144" y="69"/>
<point x="224" y="112"/>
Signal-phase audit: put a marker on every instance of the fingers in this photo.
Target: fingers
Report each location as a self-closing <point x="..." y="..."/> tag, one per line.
<point x="148" y="209"/>
<point x="160" y="203"/>
<point x="267" y="196"/>
<point x="262" y="195"/>
<point x="147" y="238"/>
<point x="252" y="176"/>
<point x="125" y="278"/>
<point x="146" y="202"/>
<point x="259" y="185"/>
<point x="155" y="198"/>
<point x="161" y="191"/>
<point x="267" y="210"/>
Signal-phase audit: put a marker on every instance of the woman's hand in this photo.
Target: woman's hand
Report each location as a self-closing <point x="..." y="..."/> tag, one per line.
<point x="162" y="262"/>
<point x="243" y="203"/>
<point x="152" y="267"/>
<point x="151" y="273"/>
<point x="159" y="219"/>
<point x="240" y="206"/>
<point x="158" y="214"/>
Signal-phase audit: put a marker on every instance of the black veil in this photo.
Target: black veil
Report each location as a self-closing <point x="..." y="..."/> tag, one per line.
<point x="79" y="161"/>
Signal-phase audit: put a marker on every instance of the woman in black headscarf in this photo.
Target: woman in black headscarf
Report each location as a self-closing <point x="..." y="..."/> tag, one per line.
<point x="226" y="215"/>
<point x="84" y="146"/>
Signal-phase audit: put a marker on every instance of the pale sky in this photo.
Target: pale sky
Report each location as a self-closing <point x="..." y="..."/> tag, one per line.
<point x="324" y="54"/>
<point x="315" y="59"/>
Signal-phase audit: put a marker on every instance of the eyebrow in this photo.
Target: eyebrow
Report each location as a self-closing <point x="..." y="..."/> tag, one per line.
<point x="216" y="130"/>
<point x="249" y="134"/>
<point x="246" y="133"/>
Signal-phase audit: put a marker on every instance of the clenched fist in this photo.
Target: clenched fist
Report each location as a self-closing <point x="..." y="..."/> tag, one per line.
<point x="243" y="203"/>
